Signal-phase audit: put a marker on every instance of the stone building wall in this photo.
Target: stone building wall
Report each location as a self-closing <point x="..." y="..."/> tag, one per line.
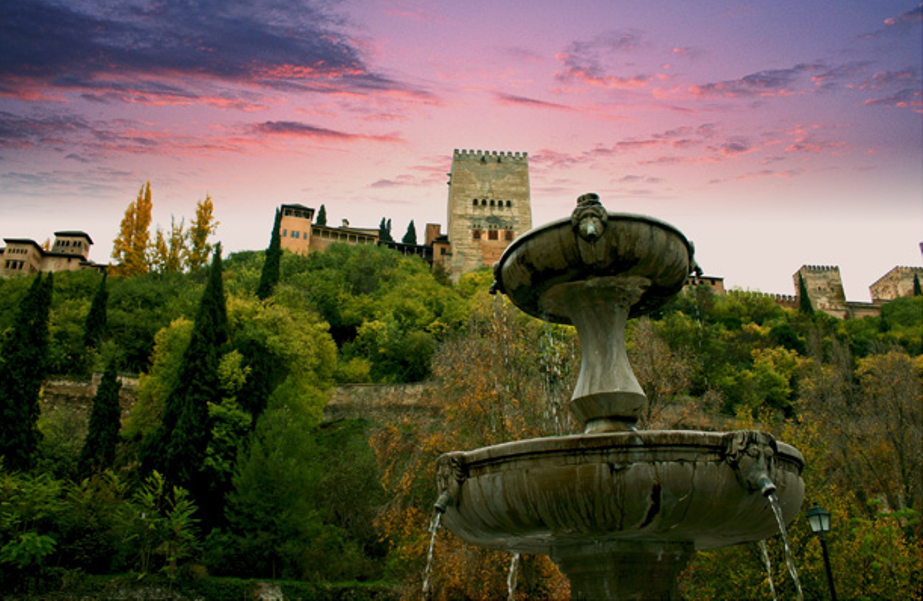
<point x="380" y="402"/>
<point x="489" y="206"/>
<point x="895" y="284"/>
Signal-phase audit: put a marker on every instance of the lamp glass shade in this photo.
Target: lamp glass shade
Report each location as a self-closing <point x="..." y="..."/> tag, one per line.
<point x="819" y="519"/>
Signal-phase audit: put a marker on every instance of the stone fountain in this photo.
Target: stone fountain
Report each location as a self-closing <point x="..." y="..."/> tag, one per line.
<point x="620" y="510"/>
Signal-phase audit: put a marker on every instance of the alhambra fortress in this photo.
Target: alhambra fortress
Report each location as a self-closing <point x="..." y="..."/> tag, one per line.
<point x="489" y="205"/>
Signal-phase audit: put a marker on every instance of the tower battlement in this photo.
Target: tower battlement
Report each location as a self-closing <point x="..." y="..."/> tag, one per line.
<point x="821" y="268"/>
<point x="489" y="155"/>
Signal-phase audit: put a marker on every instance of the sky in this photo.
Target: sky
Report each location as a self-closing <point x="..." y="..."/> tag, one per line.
<point x="773" y="134"/>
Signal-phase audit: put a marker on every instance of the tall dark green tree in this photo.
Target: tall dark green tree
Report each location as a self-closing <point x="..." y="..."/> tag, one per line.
<point x="98" y="450"/>
<point x="916" y="286"/>
<point x="22" y="370"/>
<point x="411" y="236"/>
<point x="177" y="447"/>
<point x="804" y="301"/>
<point x="95" y="325"/>
<point x="269" y="277"/>
<point x="384" y="230"/>
<point x="321" y="216"/>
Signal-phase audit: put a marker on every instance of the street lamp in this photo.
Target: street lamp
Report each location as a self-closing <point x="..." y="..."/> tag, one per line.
<point x="819" y="520"/>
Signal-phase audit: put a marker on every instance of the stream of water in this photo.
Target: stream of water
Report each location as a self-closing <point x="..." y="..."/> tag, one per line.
<point x="512" y="577"/>
<point x="765" y="551"/>
<point x="789" y="560"/>
<point x="433" y="529"/>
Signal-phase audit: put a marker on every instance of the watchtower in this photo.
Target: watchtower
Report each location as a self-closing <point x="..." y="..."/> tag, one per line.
<point x="489" y="206"/>
<point x="825" y="288"/>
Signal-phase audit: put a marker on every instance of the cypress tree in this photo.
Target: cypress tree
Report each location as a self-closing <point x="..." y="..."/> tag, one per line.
<point x="916" y="286"/>
<point x="269" y="277"/>
<point x="95" y="325"/>
<point x="177" y="448"/>
<point x="384" y="230"/>
<point x="804" y="301"/>
<point x="98" y="450"/>
<point x="22" y="370"/>
<point x="411" y="236"/>
<point x="322" y="216"/>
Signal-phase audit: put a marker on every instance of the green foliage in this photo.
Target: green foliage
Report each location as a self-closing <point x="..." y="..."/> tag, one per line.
<point x="94" y="328"/>
<point x="321" y="216"/>
<point x="155" y="385"/>
<point x="177" y="448"/>
<point x="22" y="370"/>
<point x="269" y="277"/>
<point x="384" y="309"/>
<point x="804" y="300"/>
<point x="270" y="509"/>
<point x="92" y="527"/>
<point x="102" y="438"/>
<point x="29" y="505"/>
<point x="161" y="526"/>
<point x="63" y="428"/>
<point x="139" y="307"/>
<point x="304" y="502"/>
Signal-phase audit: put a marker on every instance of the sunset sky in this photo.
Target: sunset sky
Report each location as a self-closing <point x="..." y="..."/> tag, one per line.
<point x="773" y="134"/>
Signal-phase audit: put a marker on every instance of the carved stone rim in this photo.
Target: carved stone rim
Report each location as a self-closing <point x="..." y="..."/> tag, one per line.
<point x="636" y="446"/>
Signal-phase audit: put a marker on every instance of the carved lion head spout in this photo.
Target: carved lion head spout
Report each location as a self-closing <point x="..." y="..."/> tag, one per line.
<point x="589" y="219"/>
<point x="752" y="455"/>
<point x="451" y="473"/>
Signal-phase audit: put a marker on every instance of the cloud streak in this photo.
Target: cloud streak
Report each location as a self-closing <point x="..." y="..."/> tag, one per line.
<point x="176" y="53"/>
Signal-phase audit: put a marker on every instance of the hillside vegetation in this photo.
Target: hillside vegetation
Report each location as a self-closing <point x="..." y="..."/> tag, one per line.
<point x="224" y="467"/>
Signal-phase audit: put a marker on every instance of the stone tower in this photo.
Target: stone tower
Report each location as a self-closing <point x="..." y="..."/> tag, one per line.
<point x="825" y="288"/>
<point x="489" y="206"/>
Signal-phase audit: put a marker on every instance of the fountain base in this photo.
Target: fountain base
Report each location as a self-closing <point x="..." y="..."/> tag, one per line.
<point x="624" y="569"/>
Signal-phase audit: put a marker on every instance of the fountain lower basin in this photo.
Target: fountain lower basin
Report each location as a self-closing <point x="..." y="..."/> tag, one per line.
<point x="698" y="489"/>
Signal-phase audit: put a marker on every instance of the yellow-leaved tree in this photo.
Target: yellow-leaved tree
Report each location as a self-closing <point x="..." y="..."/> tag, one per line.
<point x="203" y="226"/>
<point x="130" y="247"/>
<point x="169" y="251"/>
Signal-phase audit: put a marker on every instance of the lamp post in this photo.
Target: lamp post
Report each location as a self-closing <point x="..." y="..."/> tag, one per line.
<point x="819" y="520"/>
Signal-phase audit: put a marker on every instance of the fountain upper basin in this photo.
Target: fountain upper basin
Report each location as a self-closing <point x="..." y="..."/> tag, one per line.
<point x="621" y="244"/>
<point x="538" y="495"/>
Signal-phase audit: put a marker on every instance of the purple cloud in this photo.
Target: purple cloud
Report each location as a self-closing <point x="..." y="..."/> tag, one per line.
<point x="140" y="50"/>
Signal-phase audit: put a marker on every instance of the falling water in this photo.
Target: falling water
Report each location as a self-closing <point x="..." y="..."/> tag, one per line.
<point x="789" y="561"/>
<point x="772" y="587"/>
<point x="512" y="577"/>
<point x="433" y="529"/>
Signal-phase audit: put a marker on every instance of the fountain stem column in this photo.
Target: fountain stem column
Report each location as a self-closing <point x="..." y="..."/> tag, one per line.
<point x="624" y="569"/>
<point x="607" y="396"/>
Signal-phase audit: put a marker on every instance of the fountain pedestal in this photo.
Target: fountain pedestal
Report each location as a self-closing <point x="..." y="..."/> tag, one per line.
<point x="624" y="570"/>
<point x="620" y="510"/>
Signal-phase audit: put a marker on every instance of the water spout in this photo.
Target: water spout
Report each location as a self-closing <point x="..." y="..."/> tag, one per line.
<point x="765" y="485"/>
<point x="442" y="503"/>
<point x="772" y="586"/>
<point x="789" y="559"/>
<point x="428" y="572"/>
<point x="512" y="577"/>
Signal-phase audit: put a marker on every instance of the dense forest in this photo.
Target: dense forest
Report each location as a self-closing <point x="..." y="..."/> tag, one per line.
<point x="224" y="469"/>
